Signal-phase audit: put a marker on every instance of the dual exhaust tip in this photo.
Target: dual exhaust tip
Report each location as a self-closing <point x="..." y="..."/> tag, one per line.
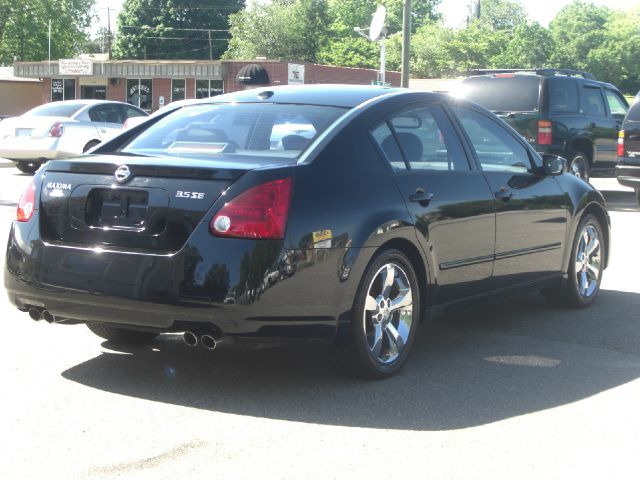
<point x="207" y="340"/>
<point x="38" y="314"/>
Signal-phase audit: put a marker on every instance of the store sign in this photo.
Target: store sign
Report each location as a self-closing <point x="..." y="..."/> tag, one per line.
<point x="296" y="74"/>
<point x="75" y="66"/>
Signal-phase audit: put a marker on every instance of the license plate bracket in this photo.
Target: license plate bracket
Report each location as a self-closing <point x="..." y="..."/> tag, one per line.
<point x="117" y="209"/>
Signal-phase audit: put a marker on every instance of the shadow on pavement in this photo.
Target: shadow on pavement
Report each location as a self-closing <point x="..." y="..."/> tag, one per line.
<point x="467" y="370"/>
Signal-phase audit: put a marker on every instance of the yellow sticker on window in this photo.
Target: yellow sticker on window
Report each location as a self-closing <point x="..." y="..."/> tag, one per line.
<point x="321" y="235"/>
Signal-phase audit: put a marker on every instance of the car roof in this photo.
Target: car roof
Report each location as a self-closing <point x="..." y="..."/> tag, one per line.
<point x="347" y="96"/>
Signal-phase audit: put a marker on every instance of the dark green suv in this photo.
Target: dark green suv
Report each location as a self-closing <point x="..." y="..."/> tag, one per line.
<point x="562" y="112"/>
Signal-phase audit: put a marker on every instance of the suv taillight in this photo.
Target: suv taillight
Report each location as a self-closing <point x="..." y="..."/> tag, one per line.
<point x="544" y="132"/>
<point x="27" y="203"/>
<point x="621" y="143"/>
<point x="57" y="129"/>
<point x="260" y="212"/>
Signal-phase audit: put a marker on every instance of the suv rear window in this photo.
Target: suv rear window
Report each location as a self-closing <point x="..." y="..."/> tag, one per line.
<point x="509" y="93"/>
<point x="563" y="95"/>
<point x="246" y="129"/>
<point x="634" y="113"/>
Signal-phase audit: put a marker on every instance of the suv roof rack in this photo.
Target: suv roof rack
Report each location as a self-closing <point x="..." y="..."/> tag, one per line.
<point x="548" y="72"/>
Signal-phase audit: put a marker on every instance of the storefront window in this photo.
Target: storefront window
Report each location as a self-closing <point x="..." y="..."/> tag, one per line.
<point x="209" y="88"/>
<point x="139" y="93"/>
<point x="63" y="89"/>
<point x="177" y="90"/>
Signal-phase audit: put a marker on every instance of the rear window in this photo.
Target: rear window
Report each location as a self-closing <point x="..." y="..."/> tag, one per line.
<point x="634" y="113"/>
<point x="517" y="93"/>
<point x="56" y="109"/>
<point x="251" y="129"/>
<point x="563" y="95"/>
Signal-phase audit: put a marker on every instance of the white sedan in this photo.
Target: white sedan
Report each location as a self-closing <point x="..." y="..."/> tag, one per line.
<point x="61" y="129"/>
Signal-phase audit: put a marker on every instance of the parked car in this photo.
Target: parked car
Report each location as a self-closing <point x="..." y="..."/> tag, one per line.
<point x="135" y="121"/>
<point x="403" y="204"/>
<point x="61" y="129"/>
<point x="628" y="166"/>
<point x="563" y="112"/>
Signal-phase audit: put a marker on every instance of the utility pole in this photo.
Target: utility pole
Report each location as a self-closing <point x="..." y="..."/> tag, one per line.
<point x="210" y="49"/>
<point x="109" y="31"/>
<point x="406" y="42"/>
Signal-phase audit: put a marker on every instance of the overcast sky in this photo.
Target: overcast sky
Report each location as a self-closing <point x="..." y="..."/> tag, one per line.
<point x="455" y="11"/>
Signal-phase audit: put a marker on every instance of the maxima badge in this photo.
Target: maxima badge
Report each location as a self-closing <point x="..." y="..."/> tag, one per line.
<point x="123" y="174"/>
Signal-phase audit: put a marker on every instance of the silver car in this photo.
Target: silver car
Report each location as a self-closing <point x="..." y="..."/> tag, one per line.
<point x="61" y="129"/>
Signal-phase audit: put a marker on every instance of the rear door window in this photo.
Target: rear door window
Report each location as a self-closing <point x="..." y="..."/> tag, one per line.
<point x="106" y="113"/>
<point x="563" y="95"/>
<point x="592" y="102"/>
<point x="423" y="138"/>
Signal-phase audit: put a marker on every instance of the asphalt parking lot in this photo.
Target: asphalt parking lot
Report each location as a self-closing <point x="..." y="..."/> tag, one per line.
<point x="520" y="390"/>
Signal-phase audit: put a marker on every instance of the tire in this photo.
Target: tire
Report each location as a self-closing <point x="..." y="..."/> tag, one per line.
<point x="26" y="166"/>
<point x="578" y="165"/>
<point x="90" y="145"/>
<point x="121" y="335"/>
<point x="372" y="352"/>
<point x="576" y="293"/>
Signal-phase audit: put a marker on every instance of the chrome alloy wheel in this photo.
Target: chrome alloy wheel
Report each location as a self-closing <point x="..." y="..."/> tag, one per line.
<point x="587" y="259"/>
<point x="388" y="313"/>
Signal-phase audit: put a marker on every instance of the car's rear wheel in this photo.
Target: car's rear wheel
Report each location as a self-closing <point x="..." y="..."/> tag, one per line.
<point x="579" y="165"/>
<point x="384" y="318"/>
<point x="90" y="145"/>
<point x="585" y="266"/>
<point x="121" y="335"/>
<point x="28" y="166"/>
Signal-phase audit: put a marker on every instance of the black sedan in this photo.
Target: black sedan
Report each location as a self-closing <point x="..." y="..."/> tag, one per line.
<point x="345" y="215"/>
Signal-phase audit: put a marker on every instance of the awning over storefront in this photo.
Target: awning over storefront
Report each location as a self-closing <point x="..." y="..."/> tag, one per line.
<point x="253" y="74"/>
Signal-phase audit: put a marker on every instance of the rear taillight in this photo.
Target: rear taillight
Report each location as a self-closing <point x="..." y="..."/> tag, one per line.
<point x="544" y="132"/>
<point x="27" y="203"/>
<point x="57" y="129"/>
<point x="621" y="143"/>
<point x="260" y="212"/>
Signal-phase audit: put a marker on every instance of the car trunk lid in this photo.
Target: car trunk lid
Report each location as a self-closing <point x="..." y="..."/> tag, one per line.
<point x="130" y="202"/>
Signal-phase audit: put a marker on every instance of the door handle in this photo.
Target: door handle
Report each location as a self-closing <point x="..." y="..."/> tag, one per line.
<point x="505" y="194"/>
<point x="103" y="130"/>
<point x="421" y="197"/>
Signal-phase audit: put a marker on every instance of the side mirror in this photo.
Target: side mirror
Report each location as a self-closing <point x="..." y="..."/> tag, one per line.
<point x="553" y="164"/>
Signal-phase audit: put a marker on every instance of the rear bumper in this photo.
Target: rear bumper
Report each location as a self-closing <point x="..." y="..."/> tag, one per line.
<point x="628" y="175"/>
<point x="245" y="288"/>
<point x="32" y="149"/>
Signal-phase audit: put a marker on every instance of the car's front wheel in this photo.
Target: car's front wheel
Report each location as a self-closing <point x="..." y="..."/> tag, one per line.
<point x="384" y="318"/>
<point x="121" y="335"/>
<point x="28" y="166"/>
<point x="585" y="266"/>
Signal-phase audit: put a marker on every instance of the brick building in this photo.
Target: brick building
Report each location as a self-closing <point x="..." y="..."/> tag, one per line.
<point x="152" y="84"/>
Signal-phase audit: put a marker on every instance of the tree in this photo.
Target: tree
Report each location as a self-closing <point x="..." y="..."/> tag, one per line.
<point x="292" y="30"/>
<point x="529" y="46"/>
<point x="615" y="60"/>
<point x="24" y="28"/>
<point x="577" y="29"/>
<point x="344" y="47"/>
<point x="98" y="43"/>
<point x="174" y="28"/>
<point x="502" y="14"/>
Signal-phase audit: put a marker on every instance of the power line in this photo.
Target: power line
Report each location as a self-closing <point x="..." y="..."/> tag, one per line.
<point x="148" y="27"/>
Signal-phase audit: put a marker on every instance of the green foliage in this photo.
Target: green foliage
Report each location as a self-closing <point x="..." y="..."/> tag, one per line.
<point x="173" y="28"/>
<point x="24" y="28"/>
<point x="293" y="30"/>
<point x="502" y="14"/>
<point x="529" y="46"/>
<point x="577" y="29"/>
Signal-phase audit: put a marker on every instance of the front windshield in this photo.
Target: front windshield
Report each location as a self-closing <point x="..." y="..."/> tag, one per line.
<point x="56" y="109"/>
<point x="249" y="129"/>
